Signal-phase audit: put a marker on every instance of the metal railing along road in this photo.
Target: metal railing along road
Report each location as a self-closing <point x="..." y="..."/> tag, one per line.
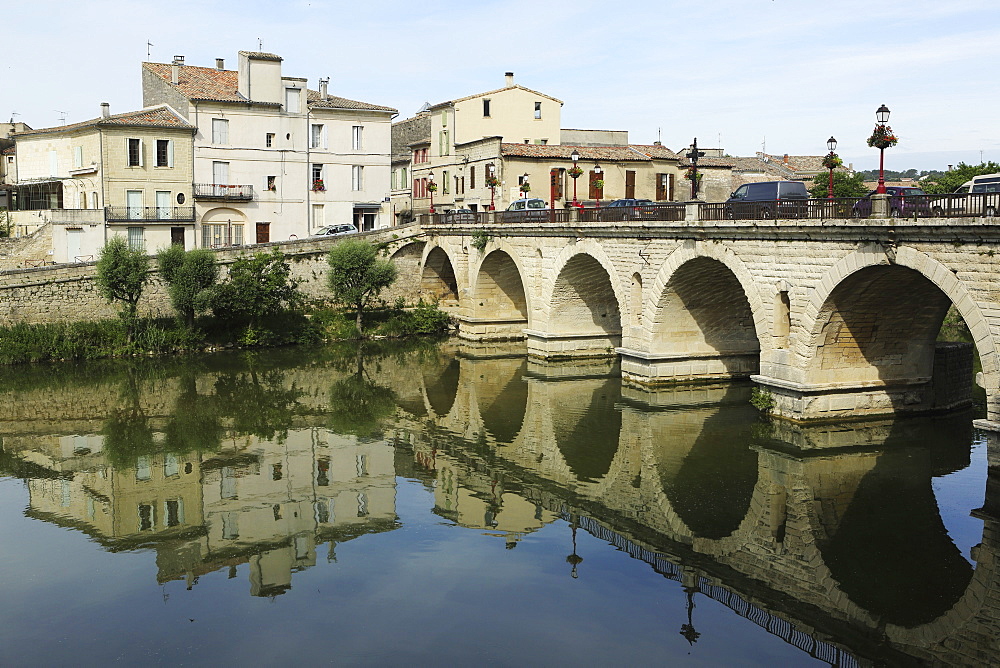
<point x="815" y="209"/>
<point x="149" y="214"/>
<point x="665" y="212"/>
<point x="223" y="191"/>
<point x="960" y="205"/>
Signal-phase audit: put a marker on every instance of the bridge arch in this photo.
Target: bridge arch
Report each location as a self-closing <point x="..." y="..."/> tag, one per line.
<point x="586" y="298"/>
<point x="497" y="291"/>
<point x="437" y="275"/>
<point x="868" y="311"/>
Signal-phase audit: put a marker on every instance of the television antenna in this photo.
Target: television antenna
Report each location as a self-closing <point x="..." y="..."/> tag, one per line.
<point x="149" y="45"/>
<point x="62" y="115"/>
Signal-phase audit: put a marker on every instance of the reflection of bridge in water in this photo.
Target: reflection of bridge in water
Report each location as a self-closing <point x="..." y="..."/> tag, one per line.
<point x="770" y="520"/>
<point x="794" y="515"/>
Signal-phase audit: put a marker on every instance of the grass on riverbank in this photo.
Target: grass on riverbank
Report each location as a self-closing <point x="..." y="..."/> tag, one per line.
<point x="24" y="343"/>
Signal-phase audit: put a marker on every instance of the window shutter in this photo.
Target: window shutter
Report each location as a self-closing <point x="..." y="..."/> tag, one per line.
<point x="326" y="143"/>
<point x="472" y="177"/>
<point x="141" y="152"/>
<point x="629" y="184"/>
<point x="170" y="153"/>
<point x="671" y="187"/>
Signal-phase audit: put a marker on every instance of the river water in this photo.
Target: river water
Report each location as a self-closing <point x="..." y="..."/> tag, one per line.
<point x="438" y="504"/>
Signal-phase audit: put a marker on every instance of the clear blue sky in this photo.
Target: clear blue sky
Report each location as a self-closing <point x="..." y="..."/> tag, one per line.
<point x="744" y="72"/>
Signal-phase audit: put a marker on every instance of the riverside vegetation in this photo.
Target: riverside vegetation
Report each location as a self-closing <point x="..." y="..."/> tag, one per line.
<point x="258" y="304"/>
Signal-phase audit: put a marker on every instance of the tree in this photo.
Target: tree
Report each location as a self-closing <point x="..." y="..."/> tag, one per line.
<point x="190" y="276"/>
<point x="5" y="223"/>
<point x="844" y="185"/>
<point x="951" y="180"/>
<point x="258" y="286"/>
<point x="122" y="272"/>
<point x="357" y="275"/>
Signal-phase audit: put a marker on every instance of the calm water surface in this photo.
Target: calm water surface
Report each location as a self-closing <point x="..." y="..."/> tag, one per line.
<point x="445" y="504"/>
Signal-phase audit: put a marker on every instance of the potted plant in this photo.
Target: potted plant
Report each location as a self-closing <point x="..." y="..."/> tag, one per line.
<point x="318" y="185"/>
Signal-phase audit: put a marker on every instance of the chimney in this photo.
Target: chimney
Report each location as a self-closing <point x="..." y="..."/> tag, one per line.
<point x="175" y="69"/>
<point x="220" y="64"/>
<point x="785" y="159"/>
<point x="105" y="110"/>
<point x="323" y="83"/>
<point x="509" y="76"/>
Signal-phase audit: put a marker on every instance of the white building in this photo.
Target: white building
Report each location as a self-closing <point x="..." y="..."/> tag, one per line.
<point x="274" y="160"/>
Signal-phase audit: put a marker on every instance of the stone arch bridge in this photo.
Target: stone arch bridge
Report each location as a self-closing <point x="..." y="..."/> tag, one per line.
<point x="836" y="318"/>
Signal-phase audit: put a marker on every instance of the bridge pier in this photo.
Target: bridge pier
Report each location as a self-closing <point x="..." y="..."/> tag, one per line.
<point x="571" y="345"/>
<point x="491" y="329"/>
<point x="652" y="369"/>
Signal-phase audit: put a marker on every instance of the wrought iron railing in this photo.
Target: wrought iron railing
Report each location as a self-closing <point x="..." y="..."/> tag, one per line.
<point x="223" y="191"/>
<point x="816" y="209"/>
<point x="960" y="205"/>
<point x="662" y="212"/>
<point x="149" y="214"/>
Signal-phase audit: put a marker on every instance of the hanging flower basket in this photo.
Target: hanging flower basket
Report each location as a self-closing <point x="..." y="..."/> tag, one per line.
<point x="526" y="187"/>
<point x="574" y="172"/>
<point x="492" y="182"/>
<point x="692" y="174"/>
<point x="882" y="137"/>
<point x="432" y="187"/>
<point x="599" y="184"/>
<point x="318" y="185"/>
<point x="832" y="161"/>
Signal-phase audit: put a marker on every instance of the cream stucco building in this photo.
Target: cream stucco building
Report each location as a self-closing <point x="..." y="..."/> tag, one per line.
<point x="274" y="160"/>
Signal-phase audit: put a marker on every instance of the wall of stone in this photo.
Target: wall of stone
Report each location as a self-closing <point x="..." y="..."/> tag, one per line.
<point x="68" y="293"/>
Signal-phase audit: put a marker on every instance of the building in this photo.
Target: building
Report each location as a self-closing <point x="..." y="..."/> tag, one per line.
<point x="126" y="174"/>
<point x="274" y="160"/>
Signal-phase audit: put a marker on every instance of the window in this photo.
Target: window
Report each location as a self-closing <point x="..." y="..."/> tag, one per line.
<point x="595" y="192"/>
<point x="272" y="183"/>
<point x="445" y="144"/>
<point x="444" y="118"/>
<point x="164" y="153"/>
<point x="134" y="147"/>
<point x="143" y="468"/>
<point x="394" y="175"/>
<point x="357" y="177"/>
<point x="77" y="157"/>
<point x="174" y="510"/>
<point x="292" y="100"/>
<point x="486" y="108"/>
<point x="93" y="200"/>
<point x="318" y="216"/>
<point x="472" y="177"/>
<point x="402" y="178"/>
<point x="317" y="136"/>
<point x="444" y="182"/>
<point x="220" y="131"/>
<point x="317" y="176"/>
<point x="136" y="238"/>
<point x="538" y="109"/>
<point x="146" y="519"/>
<point x="269" y="139"/>
<point x="356" y="136"/>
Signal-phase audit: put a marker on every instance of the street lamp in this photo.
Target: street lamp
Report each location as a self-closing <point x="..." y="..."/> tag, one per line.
<point x="431" y="188"/>
<point x="882" y="116"/>
<point x="575" y="173"/>
<point x="597" y="173"/>
<point x="831" y="144"/>
<point x="491" y="183"/>
<point x="525" y="188"/>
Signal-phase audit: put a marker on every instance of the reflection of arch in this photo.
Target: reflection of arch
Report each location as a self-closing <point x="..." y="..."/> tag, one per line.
<point x="704" y="309"/>
<point x="583" y="299"/>
<point x="587" y="433"/>
<point x="912" y="573"/>
<point x="499" y="289"/>
<point x="442" y="390"/>
<point x="437" y="278"/>
<point x="830" y="294"/>
<point x="502" y="404"/>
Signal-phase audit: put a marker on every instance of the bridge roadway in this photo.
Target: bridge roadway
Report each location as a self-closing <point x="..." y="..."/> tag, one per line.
<point x="835" y="318"/>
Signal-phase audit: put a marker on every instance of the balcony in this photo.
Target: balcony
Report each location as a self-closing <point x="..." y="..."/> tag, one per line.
<point x="222" y="192"/>
<point x="149" y="214"/>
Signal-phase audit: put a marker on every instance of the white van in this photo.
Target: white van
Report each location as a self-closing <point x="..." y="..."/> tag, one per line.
<point x="978" y="197"/>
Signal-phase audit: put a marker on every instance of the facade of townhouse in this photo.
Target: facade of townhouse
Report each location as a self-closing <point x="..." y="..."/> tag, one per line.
<point x="274" y="160"/>
<point x="513" y="135"/>
<point x="127" y="174"/>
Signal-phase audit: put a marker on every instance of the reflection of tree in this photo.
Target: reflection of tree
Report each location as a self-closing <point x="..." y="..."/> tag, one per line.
<point x="359" y="406"/>
<point x="194" y="424"/>
<point x="258" y="403"/>
<point x="127" y="434"/>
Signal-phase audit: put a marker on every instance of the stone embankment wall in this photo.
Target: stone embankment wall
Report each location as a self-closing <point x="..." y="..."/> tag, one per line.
<point x="67" y="293"/>
<point x="33" y="249"/>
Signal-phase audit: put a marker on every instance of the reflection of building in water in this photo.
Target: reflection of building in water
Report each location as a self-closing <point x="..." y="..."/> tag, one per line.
<point x="267" y="504"/>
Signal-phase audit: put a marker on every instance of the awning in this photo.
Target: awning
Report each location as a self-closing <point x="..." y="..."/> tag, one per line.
<point x="367" y="205"/>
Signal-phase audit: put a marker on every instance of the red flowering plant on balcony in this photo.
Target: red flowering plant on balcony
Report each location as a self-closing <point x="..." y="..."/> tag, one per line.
<point x="318" y="185"/>
<point x="882" y="137"/>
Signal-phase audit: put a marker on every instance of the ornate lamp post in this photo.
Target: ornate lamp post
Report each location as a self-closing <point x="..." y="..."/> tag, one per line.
<point x="431" y="187"/>
<point x="881" y="139"/>
<point x="598" y="183"/>
<point x="525" y="188"/>
<point x="574" y="173"/>
<point x="491" y="183"/>
<point x="831" y="162"/>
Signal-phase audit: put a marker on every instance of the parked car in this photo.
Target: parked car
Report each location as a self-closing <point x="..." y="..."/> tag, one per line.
<point x="904" y="201"/>
<point x="460" y="216"/>
<point x="768" y="199"/>
<point x="335" y="230"/>
<point x="627" y="209"/>
<point x="978" y="197"/>
<point x="531" y="208"/>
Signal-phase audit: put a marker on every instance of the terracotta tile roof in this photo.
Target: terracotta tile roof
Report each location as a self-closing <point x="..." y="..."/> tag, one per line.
<point x="333" y="102"/>
<point x="201" y="83"/>
<point x="7" y="151"/>
<point x="260" y="55"/>
<point x="160" y="116"/>
<point x="710" y="162"/>
<point x="629" y="153"/>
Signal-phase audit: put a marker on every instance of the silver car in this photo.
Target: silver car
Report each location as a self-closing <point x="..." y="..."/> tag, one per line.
<point x="335" y="230"/>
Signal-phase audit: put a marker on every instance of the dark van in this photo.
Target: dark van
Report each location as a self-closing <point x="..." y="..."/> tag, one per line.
<point x="768" y="199"/>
